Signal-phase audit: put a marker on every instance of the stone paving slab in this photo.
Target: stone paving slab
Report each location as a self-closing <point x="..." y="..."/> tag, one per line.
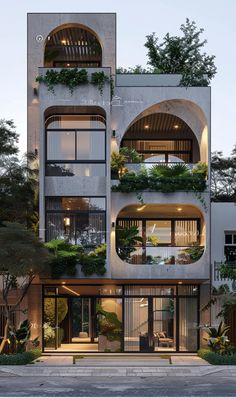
<point x="75" y="371"/>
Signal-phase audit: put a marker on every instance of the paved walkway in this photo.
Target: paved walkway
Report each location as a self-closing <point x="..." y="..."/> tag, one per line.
<point x="141" y="366"/>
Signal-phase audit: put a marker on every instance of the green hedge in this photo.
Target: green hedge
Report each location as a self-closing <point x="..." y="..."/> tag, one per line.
<point x="20" y="359"/>
<point x="217" y="359"/>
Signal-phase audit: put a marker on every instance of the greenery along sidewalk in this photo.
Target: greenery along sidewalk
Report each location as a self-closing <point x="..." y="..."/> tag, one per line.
<point x="20" y="359"/>
<point x="217" y="359"/>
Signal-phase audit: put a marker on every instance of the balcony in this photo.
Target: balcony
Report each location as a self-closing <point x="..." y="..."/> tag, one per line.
<point x="170" y="255"/>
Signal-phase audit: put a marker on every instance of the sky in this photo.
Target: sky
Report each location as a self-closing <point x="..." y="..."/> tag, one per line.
<point x="135" y="20"/>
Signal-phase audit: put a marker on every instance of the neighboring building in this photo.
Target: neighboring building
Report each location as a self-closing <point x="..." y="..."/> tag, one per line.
<point x="158" y="290"/>
<point x="223" y="250"/>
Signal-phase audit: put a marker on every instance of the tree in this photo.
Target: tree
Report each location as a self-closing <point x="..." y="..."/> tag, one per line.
<point x="18" y="180"/>
<point x="182" y="55"/>
<point x="22" y="257"/>
<point x="8" y="138"/>
<point x="223" y="177"/>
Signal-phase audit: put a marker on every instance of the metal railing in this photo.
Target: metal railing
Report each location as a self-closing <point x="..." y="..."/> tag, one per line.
<point x="217" y="267"/>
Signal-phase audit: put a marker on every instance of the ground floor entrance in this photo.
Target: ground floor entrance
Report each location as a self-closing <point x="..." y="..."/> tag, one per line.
<point x="129" y="318"/>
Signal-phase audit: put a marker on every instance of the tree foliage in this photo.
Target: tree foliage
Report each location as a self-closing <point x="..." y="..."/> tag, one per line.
<point x="223" y="177"/>
<point x="22" y="257"/>
<point x="8" y="138"/>
<point x="182" y="55"/>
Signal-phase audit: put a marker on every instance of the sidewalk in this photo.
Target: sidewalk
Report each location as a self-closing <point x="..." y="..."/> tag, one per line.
<point x="182" y="366"/>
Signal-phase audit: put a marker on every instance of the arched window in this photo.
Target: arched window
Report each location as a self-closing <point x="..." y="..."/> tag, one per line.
<point x="72" y="46"/>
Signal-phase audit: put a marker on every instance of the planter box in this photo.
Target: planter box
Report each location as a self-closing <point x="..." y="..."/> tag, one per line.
<point x="106" y="345"/>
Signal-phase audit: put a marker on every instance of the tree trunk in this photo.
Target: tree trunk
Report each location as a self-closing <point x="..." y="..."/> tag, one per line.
<point x="5" y="337"/>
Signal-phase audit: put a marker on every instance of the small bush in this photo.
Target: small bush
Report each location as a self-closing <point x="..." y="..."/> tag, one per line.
<point x="217" y="359"/>
<point x="20" y="359"/>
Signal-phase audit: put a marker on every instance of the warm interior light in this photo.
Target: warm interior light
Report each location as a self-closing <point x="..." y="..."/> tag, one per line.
<point x="176" y="126"/>
<point x="67" y="221"/>
<point x="179" y="209"/>
<point x="141" y="208"/>
<point x="71" y="290"/>
<point x="153" y="229"/>
<point x="63" y="41"/>
<point x="146" y="126"/>
<point x="180" y="283"/>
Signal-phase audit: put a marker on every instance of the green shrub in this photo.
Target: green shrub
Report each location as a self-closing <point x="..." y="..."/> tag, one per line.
<point x="217" y="359"/>
<point x="20" y="359"/>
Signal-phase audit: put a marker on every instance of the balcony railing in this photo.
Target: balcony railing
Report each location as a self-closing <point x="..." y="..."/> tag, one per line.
<point x="169" y="255"/>
<point x="217" y="267"/>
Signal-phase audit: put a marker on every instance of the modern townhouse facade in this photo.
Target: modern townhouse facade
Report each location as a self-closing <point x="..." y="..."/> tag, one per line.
<point x="156" y="289"/>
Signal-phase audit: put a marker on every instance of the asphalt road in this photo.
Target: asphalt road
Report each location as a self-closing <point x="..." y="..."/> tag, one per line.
<point x="207" y="386"/>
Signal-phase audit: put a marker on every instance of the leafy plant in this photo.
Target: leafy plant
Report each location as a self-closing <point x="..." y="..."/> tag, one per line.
<point x="219" y="332"/>
<point x="194" y="252"/>
<point x="217" y="359"/>
<point x="126" y="241"/>
<point x="153" y="239"/>
<point x="200" y="168"/>
<point x="65" y="257"/>
<point x="21" y="358"/>
<point x="94" y="262"/>
<point x="99" y="79"/>
<point x="109" y="324"/>
<point x="182" y="55"/>
<point x="130" y="154"/>
<point x="162" y="178"/>
<point x="74" y="77"/>
<point x="66" y="76"/>
<point x="117" y="163"/>
<point x="217" y="339"/>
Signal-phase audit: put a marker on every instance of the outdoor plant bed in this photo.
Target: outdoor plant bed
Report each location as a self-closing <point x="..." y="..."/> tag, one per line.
<point x="217" y="359"/>
<point x="20" y="359"/>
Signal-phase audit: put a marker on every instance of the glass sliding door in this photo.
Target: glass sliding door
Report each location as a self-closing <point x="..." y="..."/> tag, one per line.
<point x="188" y="322"/>
<point x="164" y="324"/>
<point x="136" y="324"/>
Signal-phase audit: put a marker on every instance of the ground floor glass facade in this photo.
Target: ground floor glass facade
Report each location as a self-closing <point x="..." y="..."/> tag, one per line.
<point x="131" y="318"/>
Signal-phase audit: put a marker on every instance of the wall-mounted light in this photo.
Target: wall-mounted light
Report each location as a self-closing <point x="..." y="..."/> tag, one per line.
<point x="113" y="224"/>
<point x="35" y="92"/>
<point x="113" y="133"/>
<point x="67" y="221"/>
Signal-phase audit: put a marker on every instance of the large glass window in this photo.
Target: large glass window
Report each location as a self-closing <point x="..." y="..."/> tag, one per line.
<point x="80" y="220"/>
<point x="75" y="145"/>
<point x="167" y="241"/>
<point x="168" y="151"/>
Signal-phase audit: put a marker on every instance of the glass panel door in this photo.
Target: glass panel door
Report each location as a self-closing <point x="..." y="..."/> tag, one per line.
<point x="136" y="324"/>
<point x="81" y="320"/>
<point x="188" y="322"/>
<point x="164" y="324"/>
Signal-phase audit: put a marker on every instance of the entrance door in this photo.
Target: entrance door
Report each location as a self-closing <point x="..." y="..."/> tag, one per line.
<point x="149" y="324"/>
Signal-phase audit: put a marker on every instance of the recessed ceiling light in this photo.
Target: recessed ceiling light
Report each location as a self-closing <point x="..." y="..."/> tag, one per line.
<point x="146" y="126"/>
<point x="176" y="126"/>
<point x="179" y="209"/>
<point x="63" y="41"/>
<point x="180" y="283"/>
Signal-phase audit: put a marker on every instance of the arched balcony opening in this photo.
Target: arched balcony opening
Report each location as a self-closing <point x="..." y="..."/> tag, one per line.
<point x="159" y="234"/>
<point x="162" y="138"/>
<point x="72" y="46"/>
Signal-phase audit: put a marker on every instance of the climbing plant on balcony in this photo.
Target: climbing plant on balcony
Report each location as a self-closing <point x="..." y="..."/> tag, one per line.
<point x="74" y="77"/>
<point x="71" y="78"/>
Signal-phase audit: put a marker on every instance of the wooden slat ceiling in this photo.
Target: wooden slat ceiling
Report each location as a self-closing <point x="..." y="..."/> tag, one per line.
<point x="148" y="126"/>
<point x="74" y="44"/>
